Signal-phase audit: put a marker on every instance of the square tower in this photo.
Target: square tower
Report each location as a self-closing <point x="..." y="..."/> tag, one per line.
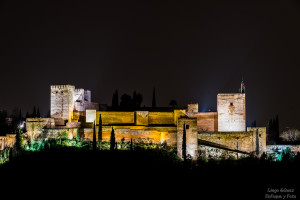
<point x="62" y="102"/>
<point x="231" y="112"/>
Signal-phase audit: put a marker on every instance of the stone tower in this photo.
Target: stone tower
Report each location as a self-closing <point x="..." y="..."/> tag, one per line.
<point x="231" y="112"/>
<point x="191" y="136"/>
<point x="62" y="103"/>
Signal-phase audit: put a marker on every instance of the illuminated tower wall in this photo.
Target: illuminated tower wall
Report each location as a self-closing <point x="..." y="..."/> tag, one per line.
<point x="62" y="102"/>
<point x="231" y="112"/>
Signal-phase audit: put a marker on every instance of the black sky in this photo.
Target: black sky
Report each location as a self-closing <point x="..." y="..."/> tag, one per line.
<point x="188" y="51"/>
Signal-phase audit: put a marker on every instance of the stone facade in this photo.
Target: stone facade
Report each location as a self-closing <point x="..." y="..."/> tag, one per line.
<point x="65" y="99"/>
<point x="7" y="141"/>
<point x="232" y="112"/>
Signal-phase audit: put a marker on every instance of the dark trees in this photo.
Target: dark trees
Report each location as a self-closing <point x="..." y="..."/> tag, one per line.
<point x="115" y="100"/>
<point x="94" y="137"/>
<point x="173" y="103"/>
<point x="184" y="143"/>
<point x="273" y="131"/>
<point x="112" y="139"/>
<point x="153" y="99"/>
<point x="100" y="129"/>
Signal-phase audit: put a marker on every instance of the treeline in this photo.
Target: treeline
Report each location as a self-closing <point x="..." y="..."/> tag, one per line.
<point x="134" y="102"/>
<point x="273" y="131"/>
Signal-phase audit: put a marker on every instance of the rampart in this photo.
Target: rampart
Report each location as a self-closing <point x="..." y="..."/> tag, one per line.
<point x="7" y="141"/>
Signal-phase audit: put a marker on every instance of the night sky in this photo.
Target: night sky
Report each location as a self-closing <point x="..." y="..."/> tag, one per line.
<point x="188" y="52"/>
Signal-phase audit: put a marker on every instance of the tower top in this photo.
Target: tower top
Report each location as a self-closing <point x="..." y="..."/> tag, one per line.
<point x="243" y="88"/>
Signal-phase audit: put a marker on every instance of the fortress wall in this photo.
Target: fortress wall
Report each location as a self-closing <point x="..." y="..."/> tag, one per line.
<point x="231" y="112"/>
<point x="35" y="126"/>
<point x="7" y="141"/>
<point x="109" y="117"/>
<point x="141" y="117"/>
<point x="178" y="114"/>
<point x="161" y="117"/>
<point x="206" y="121"/>
<point x="242" y="141"/>
<point x="38" y="126"/>
<point x="156" y="135"/>
<point x="78" y="116"/>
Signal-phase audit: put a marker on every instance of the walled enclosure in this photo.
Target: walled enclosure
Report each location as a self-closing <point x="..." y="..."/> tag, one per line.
<point x="231" y="112"/>
<point x="252" y="141"/>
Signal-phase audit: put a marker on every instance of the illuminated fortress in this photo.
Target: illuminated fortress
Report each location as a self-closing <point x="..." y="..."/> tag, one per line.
<point x="222" y="132"/>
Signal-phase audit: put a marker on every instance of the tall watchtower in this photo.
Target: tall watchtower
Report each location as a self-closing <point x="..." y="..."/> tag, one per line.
<point x="62" y="102"/>
<point x="232" y="111"/>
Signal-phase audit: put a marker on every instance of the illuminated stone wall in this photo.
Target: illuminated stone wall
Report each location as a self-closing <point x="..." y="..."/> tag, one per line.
<point x="65" y="99"/>
<point x="142" y="117"/>
<point x="136" y="117"/>
<point x="192" y="108"/>
<point x="154" y="134"/>
<point x="191" y="136"/>
<point x="62" y="102"/>
<point x="36" y="126"/>
<point x="206" y="121"/>
<point x="241" y="141"/>
<point x="7" y="141"/>
<point x="115" y="117"/>
<point x="231" y="112"/>
<point x="161" y="117"/>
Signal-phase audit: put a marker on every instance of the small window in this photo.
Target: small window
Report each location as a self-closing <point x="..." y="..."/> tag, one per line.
<point x="231" y="104"/>
<point x="259" y="135"/>
<point x="187" y="126"/>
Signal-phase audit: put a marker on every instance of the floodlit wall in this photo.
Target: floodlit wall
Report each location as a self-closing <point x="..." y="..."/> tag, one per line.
<point x="206" y="121"/>
<point x="153" y="134"/>
<point x="62" y="102"/>
<point x="161" y="117"/>
<point x="142" y="117"/>
<point x="110" y="117"/>
<point x="253" y="141"/>
<point x="7" y="141"/>
<point x="231" y="112"/>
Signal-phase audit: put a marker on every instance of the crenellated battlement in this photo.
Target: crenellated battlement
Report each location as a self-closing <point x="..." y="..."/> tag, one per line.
<point x="62" y="87"/>
<point x="79" y="90"/>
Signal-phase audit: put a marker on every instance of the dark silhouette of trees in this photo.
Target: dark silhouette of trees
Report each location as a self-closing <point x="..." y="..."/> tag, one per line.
<point x="126" y="101"/>
<point x="34" y="113"/>
<point x="184" y="143"/>
<point x="273" y="131"/>
<point x="112" y="139"/>
<point x="153" y="99"/>
<point x="38" y="113"/>
<point x="253" y="124"/>
<point x="78" y="135"/>
<point x="94" y="137"/>
<point x="137" y="100"/>
<point x="173" y="103"/>
<point x="115" y="100"/>
<point x="100" y="130"/>
<point x="131" y="145"/>
<point x="27" y="115"/>
<point x="19" y="140"/>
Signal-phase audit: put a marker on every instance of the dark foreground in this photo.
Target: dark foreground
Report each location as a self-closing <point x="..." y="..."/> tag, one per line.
<point x="68" y="173"/>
